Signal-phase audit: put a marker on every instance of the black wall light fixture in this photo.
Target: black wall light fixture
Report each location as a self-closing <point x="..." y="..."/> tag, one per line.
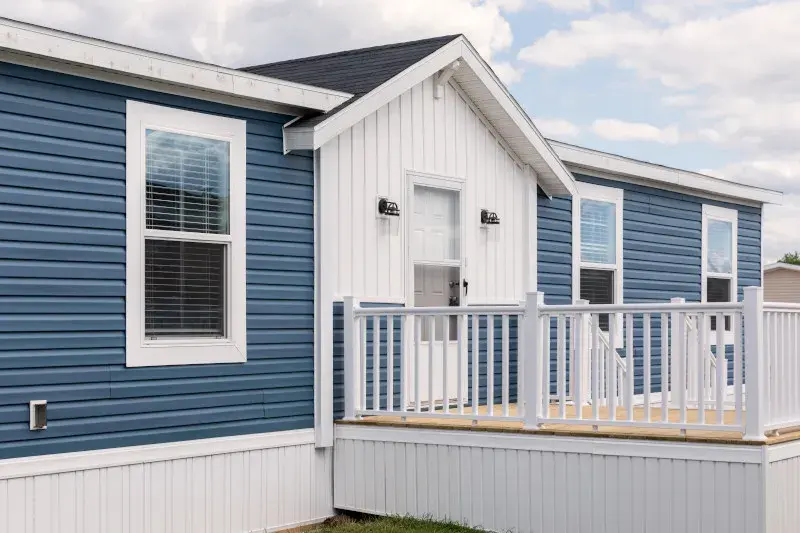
<point x="489" y="218"/>
<point x="388" y="208"/>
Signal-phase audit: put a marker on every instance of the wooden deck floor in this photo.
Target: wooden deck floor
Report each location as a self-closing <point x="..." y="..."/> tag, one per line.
<point x="507" y="426"/>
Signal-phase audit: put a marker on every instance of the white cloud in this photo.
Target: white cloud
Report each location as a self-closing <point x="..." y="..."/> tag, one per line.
<point x="557" y="128"/>
<point x="242" y="32"/>
<point x="618" y="130"/>
<point x="573" y="5"/>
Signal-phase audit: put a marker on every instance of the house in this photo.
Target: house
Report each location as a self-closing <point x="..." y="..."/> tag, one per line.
<point x="782" y="283"/>
<point x="242" y="300"/>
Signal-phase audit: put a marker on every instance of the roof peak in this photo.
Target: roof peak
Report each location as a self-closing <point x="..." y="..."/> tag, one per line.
<point x="351" y="51"/>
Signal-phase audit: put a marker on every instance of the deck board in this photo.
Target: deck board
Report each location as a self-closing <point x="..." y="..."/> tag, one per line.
<point x="587" y="430"/>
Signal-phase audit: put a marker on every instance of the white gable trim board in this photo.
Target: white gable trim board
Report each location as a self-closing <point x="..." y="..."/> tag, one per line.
<point x="40" y="47"/>
<point x="473" y="74"/>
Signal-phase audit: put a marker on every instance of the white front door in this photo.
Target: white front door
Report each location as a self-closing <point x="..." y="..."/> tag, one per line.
<point x="437" y="261"/>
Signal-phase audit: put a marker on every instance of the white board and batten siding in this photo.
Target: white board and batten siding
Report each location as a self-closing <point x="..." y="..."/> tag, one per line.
<point x="783" y="488"/>
<point x="231" y="485"/>
<point x="446" y="137"/>
<point x="549" y="484"/>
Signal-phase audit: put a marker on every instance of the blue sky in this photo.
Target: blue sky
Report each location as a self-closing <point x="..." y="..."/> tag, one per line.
<point x="705" y="85"/>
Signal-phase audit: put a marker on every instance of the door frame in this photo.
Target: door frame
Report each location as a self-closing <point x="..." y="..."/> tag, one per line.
<point x="436" y="181"/>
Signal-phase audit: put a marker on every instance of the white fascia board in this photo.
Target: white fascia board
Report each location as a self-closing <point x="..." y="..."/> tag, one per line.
<point x="781" y="266"/>
<point x="378" y="97"/>
<point x="622" y="166"/>
<point x="30" y="40"/>
<point x="459" y="49"/>
<point x="518" y="116"/>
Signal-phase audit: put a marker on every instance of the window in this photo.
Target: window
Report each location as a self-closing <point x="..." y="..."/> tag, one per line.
<point x="185" y="281"/>
<point x="597" y="246"/>
<point x="719" y="276"/>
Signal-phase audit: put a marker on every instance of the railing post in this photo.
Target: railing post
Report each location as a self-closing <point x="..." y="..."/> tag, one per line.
<point x="755" y="378"/>
<point x="352" y="374"/>
<point x="581" y="368"/>
<point x="532" y="352"/>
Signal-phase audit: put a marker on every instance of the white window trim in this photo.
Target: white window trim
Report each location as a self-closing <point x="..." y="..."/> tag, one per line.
<point x="589" y="191"/>
<point x="140" y="352"/>
<point x="711" y="212"/>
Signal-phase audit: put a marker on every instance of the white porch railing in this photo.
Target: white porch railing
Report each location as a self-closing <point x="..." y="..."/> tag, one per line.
<point x="657" y="366"/>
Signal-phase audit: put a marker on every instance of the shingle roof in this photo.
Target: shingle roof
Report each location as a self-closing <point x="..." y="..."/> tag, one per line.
<point x="354" y="71"/>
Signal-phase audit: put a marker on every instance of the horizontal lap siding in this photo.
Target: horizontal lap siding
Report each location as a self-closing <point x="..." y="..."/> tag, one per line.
<point x="62" y="280"/>
<point x="662" y="240"/>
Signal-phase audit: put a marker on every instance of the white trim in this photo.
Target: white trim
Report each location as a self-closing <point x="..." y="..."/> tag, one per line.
<point x="139" y="351"/>
<point x="711" y="212"/>
<point x="782" y="452"/>
<point x="298" y="138"/>
<point x="529" y="441"/>
<point x="781" y="266"/>
<point x="532" y="242"/>
<point x="623" y="166"/>
<point x="102" y="56"/>
<point x="588" y="191"/>
<point x="151" y="453"/>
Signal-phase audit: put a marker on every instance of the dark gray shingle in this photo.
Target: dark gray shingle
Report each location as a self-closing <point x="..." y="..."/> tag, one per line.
<point x="353" y="71"/>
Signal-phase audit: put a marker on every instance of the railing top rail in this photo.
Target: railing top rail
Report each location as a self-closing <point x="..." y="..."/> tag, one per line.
<point x="462" y="310"/>
<point x="781" y="306"/>
<point x="643" y="308"/>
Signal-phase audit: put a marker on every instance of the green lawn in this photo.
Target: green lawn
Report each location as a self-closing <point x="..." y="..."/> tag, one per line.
<point x="346" y="524"/>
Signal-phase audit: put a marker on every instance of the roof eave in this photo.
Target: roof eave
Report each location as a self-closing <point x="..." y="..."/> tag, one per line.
<point x="23" y="41"/>
<point x="580" y="158"/>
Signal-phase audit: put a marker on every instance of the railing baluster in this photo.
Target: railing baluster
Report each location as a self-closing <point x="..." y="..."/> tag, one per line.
<point x="363" y="357"/>
<point x="417" y="363"/>
<point x="702" y="324"/>
<point x="680" y="361"/>
<point x="390" y="362"/>
<point x="445" y="366"/>
<point x="476" y="369"/>
<point x="462" y="345"/>
<point x="403" y="363"/>
<point x="737" y="366"/>
<point x="376" y="363"/>
<point x="646" y="364"/>
<point x="490" y="365"/>
<point x="506" y="364"/>
<point x="630" y="366"/>
<point x="561" y="364"/>
<point x="722" y="369"/>
<point x="431" y="345"/>
<point x="546" y="354"/>
<point x="665" y="367"/>
<point x="597" y="364"/>
<point x="612" y="366"/>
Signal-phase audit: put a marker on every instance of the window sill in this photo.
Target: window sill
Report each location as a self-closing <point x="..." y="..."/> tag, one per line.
<point x="185" y="353"/>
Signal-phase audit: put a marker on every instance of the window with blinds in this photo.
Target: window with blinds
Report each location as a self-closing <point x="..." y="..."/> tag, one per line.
<point x="598" y="232"/>
<point x="597" y="287"/>
<point x="187" y="182"/>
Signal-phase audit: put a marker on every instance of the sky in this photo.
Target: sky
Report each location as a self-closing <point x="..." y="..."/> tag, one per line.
<point x="703" y="85"/>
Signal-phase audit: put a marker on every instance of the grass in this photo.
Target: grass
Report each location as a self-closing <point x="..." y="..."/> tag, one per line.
<point x="367" y="524"/>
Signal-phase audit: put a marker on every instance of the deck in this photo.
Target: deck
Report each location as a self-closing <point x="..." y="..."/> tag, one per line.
<point x="503" y="425"/>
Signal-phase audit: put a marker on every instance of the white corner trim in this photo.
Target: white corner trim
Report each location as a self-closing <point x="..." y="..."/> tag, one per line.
<point x="71" y="49"/>
<point x="151" y="453"/>
<point x="622" y="167"/>
<point x="782" y="452"/>
<point x="554" y="443"/>
<point x="588" y="191"/>
<point x="139" y="351"/>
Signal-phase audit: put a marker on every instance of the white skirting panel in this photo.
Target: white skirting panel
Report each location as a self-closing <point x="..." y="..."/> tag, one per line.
<point x="254" y="483"/>
<point x="549" y="484"/>
<point x="783" y="488"/>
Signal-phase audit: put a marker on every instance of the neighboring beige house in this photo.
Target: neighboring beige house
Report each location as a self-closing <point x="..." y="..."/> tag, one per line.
<point x="782" y="283"/>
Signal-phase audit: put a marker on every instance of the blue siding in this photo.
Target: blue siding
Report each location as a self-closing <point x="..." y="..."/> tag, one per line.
<point x="662" y="239"/>
<point x="62" y="279"/>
